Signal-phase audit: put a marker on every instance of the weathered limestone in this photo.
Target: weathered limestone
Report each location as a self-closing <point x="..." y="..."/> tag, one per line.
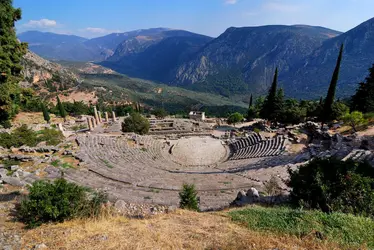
<point x="96" y="115"/>
<point x="114" y="116"/>
<point x="94" y="124"/>
<point x="106" y="117"/>
<point x="89" y="122"/>
<point x="99" y="113"/>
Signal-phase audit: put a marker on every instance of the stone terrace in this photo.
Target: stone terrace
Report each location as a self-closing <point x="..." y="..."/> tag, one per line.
<point x="142" y="169"/>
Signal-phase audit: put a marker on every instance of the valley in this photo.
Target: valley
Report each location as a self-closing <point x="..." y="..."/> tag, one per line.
<point x="238" y="62"/>
<point x="256" y="136"/>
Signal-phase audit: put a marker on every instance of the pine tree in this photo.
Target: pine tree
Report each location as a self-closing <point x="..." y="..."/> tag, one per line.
<point x="188" y="198"/>
<point x="268" y="110"/>
<point x="327" y="108"/>
<point x="11" y="52"/>
<point x="61" y="109"/>
<point x="363" y="99"/>
<point x="46" y="116"/>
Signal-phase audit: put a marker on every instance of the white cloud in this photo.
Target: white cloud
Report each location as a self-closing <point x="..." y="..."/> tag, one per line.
<point x="231" y="1"/>
<point x="42" y="23"/>
<point x="97" y="30"/>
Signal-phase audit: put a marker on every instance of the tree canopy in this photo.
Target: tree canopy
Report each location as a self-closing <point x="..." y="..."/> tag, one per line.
<point x="136" y="123"/>
<point x="11" y="52"/>
<point x="363" y="99"/>
<point x="235" y="118"/>
<point x="272" y="106"/>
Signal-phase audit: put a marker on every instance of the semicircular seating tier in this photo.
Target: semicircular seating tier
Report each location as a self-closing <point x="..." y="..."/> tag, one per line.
<point x="255" y="147"/>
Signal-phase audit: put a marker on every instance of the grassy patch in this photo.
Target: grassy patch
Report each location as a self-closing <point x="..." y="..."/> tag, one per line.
<point x="55" y="163"/>
<point x="66" y="165"/>
<point x="345" y="229"/>
<point x="107" y="163"/>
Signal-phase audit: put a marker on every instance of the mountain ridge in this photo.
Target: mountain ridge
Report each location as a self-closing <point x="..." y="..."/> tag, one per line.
<point x="242" y="60"/>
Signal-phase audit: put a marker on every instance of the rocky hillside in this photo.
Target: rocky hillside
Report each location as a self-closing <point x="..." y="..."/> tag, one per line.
<point x="250" y="55"/>
<point x="87" y="82"/>
<point x="74" y="48"/>
<point x="239" y="62"/>
<point x="156" y="56"/>
<point x="39" y="72"/>
<point x="317" y="68"/>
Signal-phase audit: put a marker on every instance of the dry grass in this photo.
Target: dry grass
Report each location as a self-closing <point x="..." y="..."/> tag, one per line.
<point x="180" y="230"/>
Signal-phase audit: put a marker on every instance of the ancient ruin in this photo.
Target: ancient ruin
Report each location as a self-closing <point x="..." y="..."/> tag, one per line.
<point x="222" y="164"/>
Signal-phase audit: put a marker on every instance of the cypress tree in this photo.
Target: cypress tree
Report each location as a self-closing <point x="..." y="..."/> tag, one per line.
<point x="327" y="108"/>
<point x="268" y="107"/>
<point x="251" y="113"/>
<point x="11" y="52"/>
<point x="363" y="99"/>
<point x="46" y="116"/>
<point x="61" y="109"/>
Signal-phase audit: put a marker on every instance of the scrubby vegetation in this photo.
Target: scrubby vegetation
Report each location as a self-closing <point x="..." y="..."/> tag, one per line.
<point x="235" y="118"/>
<point x="333" y="185"/>
<point x="136" y="123"/>
<point x="59" y="201"/>
<point x="25" y="136"/>
<point x="348" y="230"/>
<point x="188" y="197"/>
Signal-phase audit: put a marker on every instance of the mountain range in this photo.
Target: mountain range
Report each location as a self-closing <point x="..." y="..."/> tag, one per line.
<point x="241" y="61"/>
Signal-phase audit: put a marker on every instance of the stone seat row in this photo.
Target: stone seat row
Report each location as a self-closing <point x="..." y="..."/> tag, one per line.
<point x="252" y="139"/>
<point x="265" y="148"/>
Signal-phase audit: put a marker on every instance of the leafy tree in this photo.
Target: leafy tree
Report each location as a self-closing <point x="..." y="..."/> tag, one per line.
<point x="19" y="137"/>
<point x="160" y="113"/>
<point x="354" y="119"/>
<point x="46" y="116"/>
<point x="235" y="118"/>
<point x="136" y="123"/>
<point x="339" y="109"/>
<point x="292" y="112"/>
<point x="327" y="108"/>
<point x="188" y="197"/>
<point x="59" y="201"/>
<point x="61" y="109"/>
<point x="334" y="185"/>
<point x="363" y="99"/>
<point x="11" y="52"/>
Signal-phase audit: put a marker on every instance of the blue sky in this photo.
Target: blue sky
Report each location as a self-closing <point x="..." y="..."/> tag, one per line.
<point x="93" y="18"/>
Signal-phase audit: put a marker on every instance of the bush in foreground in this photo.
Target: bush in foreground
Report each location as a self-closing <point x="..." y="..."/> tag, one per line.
<point x="59" y="201"/>
<point x="188" y="198"/>
<point x="334" y="185"/>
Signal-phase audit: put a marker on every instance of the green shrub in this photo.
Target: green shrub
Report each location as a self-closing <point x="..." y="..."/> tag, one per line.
<point x="20" y="136"/>
<point x="51" y="136"/>
<point x="188" y="197"/>
<point x="235" y="118"/>
<point x="136" y="123"/>
<point x="334" y="185"/>
<point x="57" y="202"/>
